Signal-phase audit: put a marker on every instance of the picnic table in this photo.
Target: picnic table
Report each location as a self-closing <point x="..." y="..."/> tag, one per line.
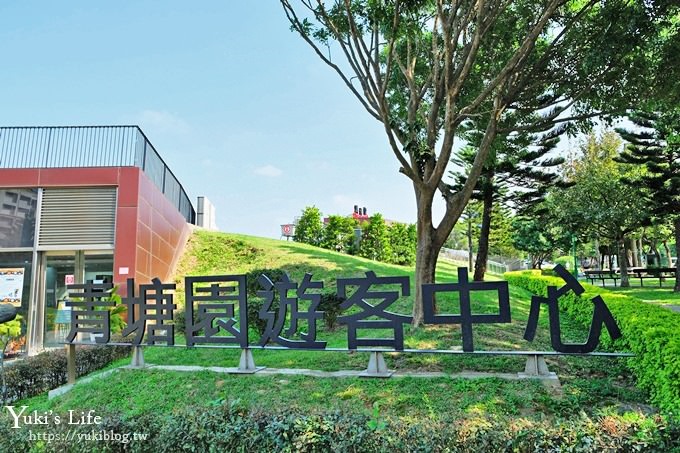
<point x="653" y="272"/>
<point x="602" y="275"/>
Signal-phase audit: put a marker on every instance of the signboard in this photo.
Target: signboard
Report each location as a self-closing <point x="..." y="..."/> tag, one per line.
<point x="70" y="279"/>
<point x="288" y="230"/>
<point x="216" y="311"/>
<point x="11" y="285"/>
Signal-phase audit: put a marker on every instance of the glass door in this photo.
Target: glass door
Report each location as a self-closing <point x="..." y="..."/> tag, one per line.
<point x="60" y="270"/>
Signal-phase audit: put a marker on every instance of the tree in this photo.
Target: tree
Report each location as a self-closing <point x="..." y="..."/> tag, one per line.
<point x="534" y="236"/>
<point x="402" y="244"/>
<point x="375" y="240"/>
<point x="471" y="217"/>
<point x="309" y="228"/>
<point x="516" y="172"/>
<point x="599" y="204"/>
<point x="659" y="233"/>
<point x="656" y="146"/>
<point x="423" y="68"/>
<point x="338" y="234"/>
<point x="500" y="236"/>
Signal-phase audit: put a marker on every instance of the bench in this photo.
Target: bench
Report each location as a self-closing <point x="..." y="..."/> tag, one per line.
<point x="654" y="272"/>
<point x="602" y="276"/>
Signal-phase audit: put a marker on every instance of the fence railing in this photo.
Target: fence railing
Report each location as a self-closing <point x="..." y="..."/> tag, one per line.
<point x="92" y="146"/>
<point x="495" y="264"/>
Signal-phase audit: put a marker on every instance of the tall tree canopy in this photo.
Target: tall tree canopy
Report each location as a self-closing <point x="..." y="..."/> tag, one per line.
<point x="517" y="172"/>
<point x="424" y="68"/>
<point x="656" y="146"/>
<point x="600" y="205"/>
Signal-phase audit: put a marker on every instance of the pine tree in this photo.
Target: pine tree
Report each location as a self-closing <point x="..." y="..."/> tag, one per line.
<point x="517" y="173"/>
<point x="656" y="145"/>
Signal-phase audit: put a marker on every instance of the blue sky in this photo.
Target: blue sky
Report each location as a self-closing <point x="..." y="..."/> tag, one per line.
<point x="239" y="107"/>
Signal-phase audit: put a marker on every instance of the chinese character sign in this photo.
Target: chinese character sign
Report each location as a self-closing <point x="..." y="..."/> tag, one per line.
<point x="466" y="318"/>
<point x="90" y="314"/>
<point x="216" y="311"/>
<point x="386" y="320"/>
<point x="276" y="321"/>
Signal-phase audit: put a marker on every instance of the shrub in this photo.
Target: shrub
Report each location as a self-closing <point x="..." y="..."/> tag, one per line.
<point x="254" y="302"/>
<point x="179" y="319"/>
<point x="649" y="331"/>
<point x="330" y="305"/>
<point x="46" y="371"/>
<point x="229" y="427"/>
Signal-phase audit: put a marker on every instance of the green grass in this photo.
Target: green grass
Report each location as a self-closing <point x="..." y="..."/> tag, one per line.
<point x="589" y="384"/>
<point x="409" y="398"/>
<point x="651" y="293"/>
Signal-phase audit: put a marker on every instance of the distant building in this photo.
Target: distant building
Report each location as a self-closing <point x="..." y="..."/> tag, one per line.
<point x="205" y="214"/>
<point x="361" y="215"/>
<point x="80" y="204"/>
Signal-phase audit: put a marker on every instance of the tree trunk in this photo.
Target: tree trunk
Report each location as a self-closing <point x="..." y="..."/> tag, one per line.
<point x="426" y="265"/>
<point x="623" y="263"/>
<point x="427" y="252"/>
<point x="641" y="251"/>
<point x="469" y="238"/>
<point x="634" y="252"/>
<point x="599" y="257"/>
<point x="668" y="253"/>
<point x="676" y="228"/>
<point x="483" y="248"/>
<point x="629" y="253"/>
<point x="655" y="250"/>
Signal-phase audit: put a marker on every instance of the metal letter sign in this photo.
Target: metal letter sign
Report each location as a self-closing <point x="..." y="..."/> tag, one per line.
<point x="466" y="319"/>
<point x="360" y="320"/>
<point x="601" y="316"/>
<point x="275" y="323"/>
<point x="217" y="311"/>
<point x="211" y="310"/>
<point x="86" y="318"/>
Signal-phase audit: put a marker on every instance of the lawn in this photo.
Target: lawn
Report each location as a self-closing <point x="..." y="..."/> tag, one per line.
<point x="590" y="385"/>
<point x="651" y="293"/>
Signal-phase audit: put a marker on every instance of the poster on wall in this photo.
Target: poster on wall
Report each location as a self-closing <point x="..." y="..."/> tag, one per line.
<point x="11" y="285"/>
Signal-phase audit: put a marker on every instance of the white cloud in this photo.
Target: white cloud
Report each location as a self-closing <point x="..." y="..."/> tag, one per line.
<point x="269" y="171"/>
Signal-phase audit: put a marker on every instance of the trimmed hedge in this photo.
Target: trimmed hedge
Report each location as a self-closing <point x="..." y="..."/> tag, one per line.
<point x="649" y="331"/>
<point x="228" y="427"/>
<point x="46" y="371"/>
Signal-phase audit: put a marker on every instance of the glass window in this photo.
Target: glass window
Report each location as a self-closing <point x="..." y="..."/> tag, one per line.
<point x="15" y="288"/>
<point x="18" y="209"/>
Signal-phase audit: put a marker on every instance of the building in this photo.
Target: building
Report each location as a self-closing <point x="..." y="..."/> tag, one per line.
<point x="82" y="204"/>
<point x="205" y="214"/>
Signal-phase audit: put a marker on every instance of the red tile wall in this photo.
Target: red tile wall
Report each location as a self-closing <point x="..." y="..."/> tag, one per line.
<point x="162" y="233"/>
